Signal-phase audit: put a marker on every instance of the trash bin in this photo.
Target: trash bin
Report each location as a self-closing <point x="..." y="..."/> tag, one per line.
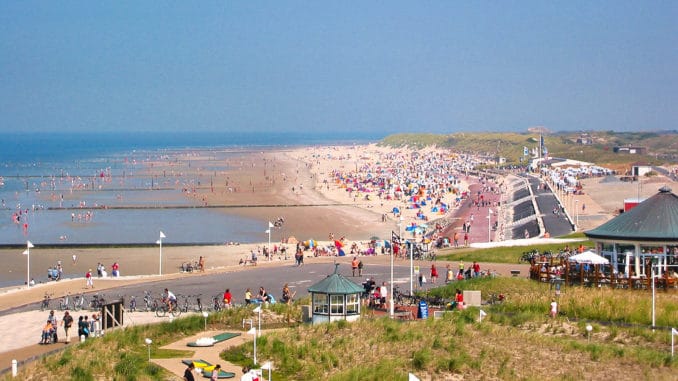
<point x="422" y="311"/>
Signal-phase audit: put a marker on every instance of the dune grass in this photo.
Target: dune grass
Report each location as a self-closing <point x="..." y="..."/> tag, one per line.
<point x="516" y="341"/>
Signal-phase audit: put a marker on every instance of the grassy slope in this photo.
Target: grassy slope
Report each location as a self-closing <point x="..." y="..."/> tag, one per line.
<point x="510" y="145"/>
<point x="516" y="341"/>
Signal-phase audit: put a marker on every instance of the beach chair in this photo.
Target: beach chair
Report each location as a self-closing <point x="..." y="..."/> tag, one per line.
<point x="213" y="340"/>
<point x="206" y="369"/>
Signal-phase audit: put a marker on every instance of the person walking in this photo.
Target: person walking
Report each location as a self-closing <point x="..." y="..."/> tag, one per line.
<point x="360" y="268"/>
<point x="215" y="373"/>
<point x="188" y="373"/>
<point x="434" y="273"/>
<point x="89" y="281"/>
<point x="228" y="298"/>
<point x="52" y="318"/>
<point x="450" y="274"/>
<point x="67" y="322"/>
<point x="554" y="308"/>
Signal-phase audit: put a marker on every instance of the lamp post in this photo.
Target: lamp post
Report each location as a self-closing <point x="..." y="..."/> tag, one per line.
<point x="253" y="332"/>
<point x="390" y="290"/>
<point x="489" y="225"/>
<point x="267" y="365"/>
<point x="205" y="315"/>
<point x="576" y="212"/>
<point x="268" y="231"/>
<point x="159" y="242"/>
<point x="589" y="328"/>
<point x="258" y="311"/>
<point x="28" y="263"/>
<point x="148" y="344"/>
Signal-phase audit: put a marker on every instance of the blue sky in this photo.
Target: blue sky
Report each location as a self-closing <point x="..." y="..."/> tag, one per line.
<point x="379" y="66"/>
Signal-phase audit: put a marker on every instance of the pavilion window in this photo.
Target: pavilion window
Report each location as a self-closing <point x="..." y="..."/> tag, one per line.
<point x="337" y="304"/>
<point x="320" y="304"/>
<point x="352" y="304"/>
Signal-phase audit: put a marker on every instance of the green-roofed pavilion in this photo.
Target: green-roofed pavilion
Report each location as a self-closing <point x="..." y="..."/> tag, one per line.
<point x="335" y="298"/>
<point x="641" y="237"/>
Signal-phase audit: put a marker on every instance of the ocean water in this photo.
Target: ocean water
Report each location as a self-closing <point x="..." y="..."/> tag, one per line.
<point x="40" y="171"/>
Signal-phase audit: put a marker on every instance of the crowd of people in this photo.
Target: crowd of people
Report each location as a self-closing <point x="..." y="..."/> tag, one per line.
<point x="87" y="326"/>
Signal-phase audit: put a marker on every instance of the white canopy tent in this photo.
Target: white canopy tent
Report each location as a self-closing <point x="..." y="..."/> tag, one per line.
<point x="589" y="257"/>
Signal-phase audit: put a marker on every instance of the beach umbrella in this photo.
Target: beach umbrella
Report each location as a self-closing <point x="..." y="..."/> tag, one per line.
<point x="396" y="210"/>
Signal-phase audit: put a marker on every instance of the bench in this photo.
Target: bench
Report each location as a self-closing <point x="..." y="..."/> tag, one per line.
<point x="515" y="272"/>
<point x="403" y="315"/>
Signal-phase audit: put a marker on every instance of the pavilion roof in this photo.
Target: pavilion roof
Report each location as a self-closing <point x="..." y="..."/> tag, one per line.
<point x="655" y="219"/>
<point x="336" y="284"/>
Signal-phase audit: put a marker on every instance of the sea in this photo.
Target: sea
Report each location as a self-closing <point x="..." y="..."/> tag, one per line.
<point x="52" y="188"/>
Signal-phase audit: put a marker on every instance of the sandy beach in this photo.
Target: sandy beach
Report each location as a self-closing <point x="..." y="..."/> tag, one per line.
<point x="301" y="186"/>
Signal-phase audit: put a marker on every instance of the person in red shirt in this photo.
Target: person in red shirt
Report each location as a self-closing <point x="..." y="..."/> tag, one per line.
<point x="434" y="273"/>
<point x="228" y="298"/>
<point x="459" y="299"/>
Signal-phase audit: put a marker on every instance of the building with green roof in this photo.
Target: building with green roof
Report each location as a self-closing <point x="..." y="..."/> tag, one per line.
<point x="644" y="236"/>
<point x="335" y="298"/>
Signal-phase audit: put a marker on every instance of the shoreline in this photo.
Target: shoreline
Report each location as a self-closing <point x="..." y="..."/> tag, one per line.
<point x="307" y="185"/>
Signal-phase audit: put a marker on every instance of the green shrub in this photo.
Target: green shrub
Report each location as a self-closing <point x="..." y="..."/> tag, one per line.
<point x="81" y="374"/>
<point x="421" y="358"/>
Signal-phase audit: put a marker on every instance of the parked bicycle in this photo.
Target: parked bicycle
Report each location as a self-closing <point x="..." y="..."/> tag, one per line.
<point x="402" y="298"/>
<point x="149" y="303"/>
<point x="495" y="299"/>
<point x="97" y="302"/>
<point x="217" y="303"/>
<point x="44" y="305"/>
<point x="79" y="302"/>
<point x="64" y="302"/>
<point x="187" y="306"/>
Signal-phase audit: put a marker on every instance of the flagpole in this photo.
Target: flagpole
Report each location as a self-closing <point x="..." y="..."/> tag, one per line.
<point x="390" y="286"/>
<point x="270" y="226"/>
<point x="653" y="299"/>
<point x="28" y="263"/>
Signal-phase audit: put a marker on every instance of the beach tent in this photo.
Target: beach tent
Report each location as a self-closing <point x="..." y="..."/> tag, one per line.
<point x="589" y="257"/>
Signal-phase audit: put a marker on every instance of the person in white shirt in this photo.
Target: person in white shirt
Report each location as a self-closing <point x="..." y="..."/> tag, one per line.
<point x="170" y="299"/>
<point x="383" y="294"/>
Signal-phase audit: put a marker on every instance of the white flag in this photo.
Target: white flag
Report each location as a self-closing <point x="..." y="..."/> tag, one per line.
<point x="29" y="244"/>
<point x="252" y="331"/>
<point x="257" y="310"/>
<point x="270" y="225"/>
<point x="482" y="313"/>
<point x="162" y="235"/>
<point x="412" y="377"/>
<point x="673" y="331"/>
